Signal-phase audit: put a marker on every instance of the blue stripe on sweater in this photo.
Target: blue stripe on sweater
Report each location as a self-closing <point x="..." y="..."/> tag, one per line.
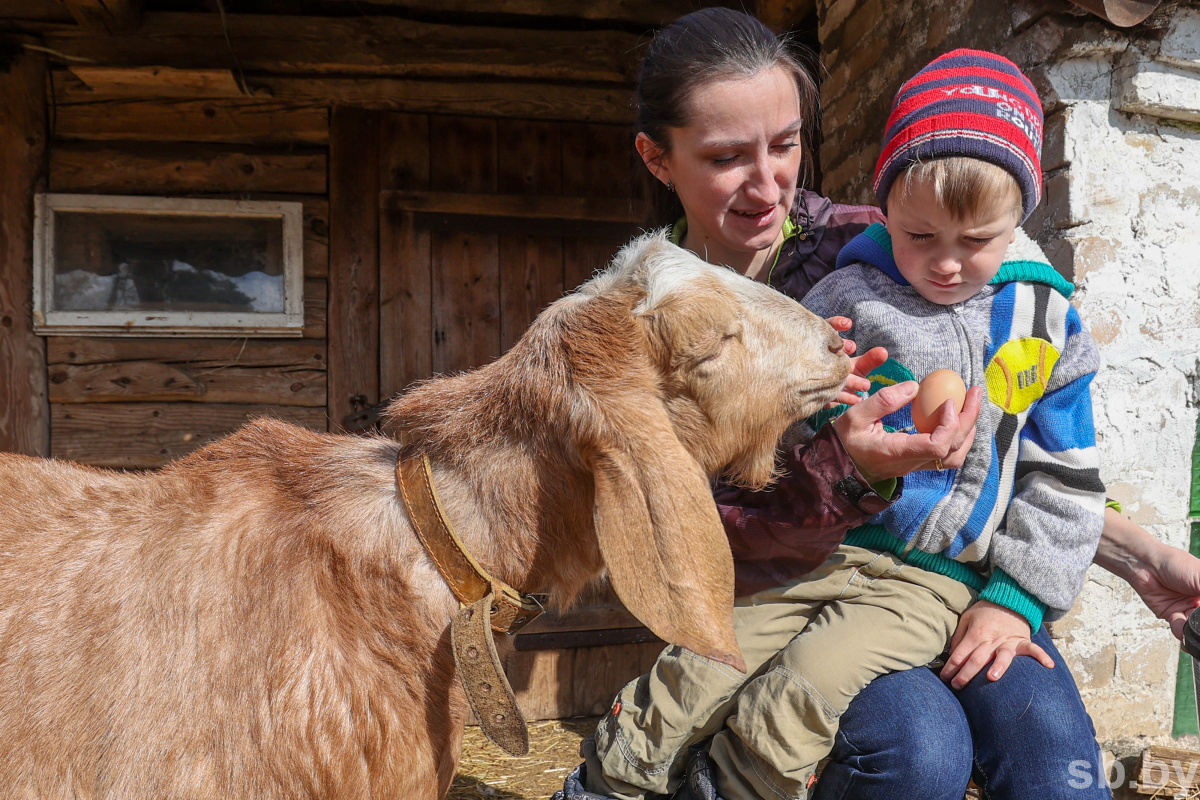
<point x="1071" y="430"/>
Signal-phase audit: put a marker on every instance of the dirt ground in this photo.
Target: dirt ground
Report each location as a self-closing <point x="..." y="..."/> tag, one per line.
<point x="487" y="773"/>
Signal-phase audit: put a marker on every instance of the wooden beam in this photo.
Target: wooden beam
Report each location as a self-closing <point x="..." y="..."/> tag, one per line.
<point x="106" y="16"/>
<point x="505" y="98"/>
<point x="353" y="261"/>
<point x="375" y="46"/>
<point x="784" y="15"/>
<point x="649" y="13"/>
<point x="513" y="206"/>
<point x="24" y="415"/>
<point x="139" y="435"/>
<point x="234" y="121"/>
<point x="34" y="11"/>
<point x="154" y="380"/>
<point x="129" y="168"/>
<point x="156" y="82"/>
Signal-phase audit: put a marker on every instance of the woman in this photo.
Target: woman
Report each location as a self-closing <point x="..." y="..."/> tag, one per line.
<point x="723" y="109"/>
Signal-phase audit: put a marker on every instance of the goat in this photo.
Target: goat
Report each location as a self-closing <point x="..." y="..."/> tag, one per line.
<point x="257" y="619"/>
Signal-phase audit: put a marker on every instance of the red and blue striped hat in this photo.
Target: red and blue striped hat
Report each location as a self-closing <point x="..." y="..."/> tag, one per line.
<point x="966" y="103"/>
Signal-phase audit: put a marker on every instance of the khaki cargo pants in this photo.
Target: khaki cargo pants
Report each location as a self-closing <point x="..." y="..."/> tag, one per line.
<point x="862" y="614"/>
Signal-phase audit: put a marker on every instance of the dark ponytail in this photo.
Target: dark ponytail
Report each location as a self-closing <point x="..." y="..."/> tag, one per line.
<point x="710" y="45"/>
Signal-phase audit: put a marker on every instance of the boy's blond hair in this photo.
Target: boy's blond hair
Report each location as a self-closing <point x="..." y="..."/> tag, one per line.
<point x="968" y="188"/>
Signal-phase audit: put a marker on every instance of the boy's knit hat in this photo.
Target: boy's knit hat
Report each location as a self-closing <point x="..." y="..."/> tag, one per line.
<point x="966" y="103"/>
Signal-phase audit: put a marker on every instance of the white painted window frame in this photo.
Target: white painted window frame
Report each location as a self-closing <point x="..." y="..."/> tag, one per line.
<point x="48" y="322"/>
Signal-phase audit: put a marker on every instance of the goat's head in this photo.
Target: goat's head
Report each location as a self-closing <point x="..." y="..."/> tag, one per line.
<point x="688" y="371"/>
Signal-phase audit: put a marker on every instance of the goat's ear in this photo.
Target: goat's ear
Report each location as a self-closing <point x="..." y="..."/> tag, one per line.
<point x="661" y="536"/>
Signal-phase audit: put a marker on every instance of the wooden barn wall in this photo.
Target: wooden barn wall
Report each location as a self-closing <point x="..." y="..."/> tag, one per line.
<point x="141" y="402"/>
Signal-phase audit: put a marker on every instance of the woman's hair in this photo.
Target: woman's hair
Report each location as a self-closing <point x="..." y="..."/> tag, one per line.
<point x="966" y="187"/>
<point x="710" y="45"/>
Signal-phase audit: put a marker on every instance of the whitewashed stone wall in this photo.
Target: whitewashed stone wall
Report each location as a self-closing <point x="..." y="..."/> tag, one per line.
<point x="1122" y="218"/>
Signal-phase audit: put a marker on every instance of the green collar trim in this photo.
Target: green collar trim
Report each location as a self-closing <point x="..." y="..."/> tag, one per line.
<point x="790" y="229"/>
<point x="1035" y="271"/>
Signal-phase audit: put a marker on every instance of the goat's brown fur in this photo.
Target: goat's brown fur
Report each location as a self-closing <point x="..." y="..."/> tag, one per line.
<point x="257" y="620"/>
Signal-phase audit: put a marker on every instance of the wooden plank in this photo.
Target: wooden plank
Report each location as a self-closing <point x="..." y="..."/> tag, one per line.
<point x="139" y="435"/>
<point x="606" y="614"/>
<point x="184" y="169"/>
<point x="316" y="237"/>
<point x="154" y="381"/>
<point x="531" y="278"/>
<point x="34" y="11"/>
<point x="198" y="354"/>
<point x="539" y="679"/>
<point x="513" y="206"/>
<point x="316" y="302"/>
<point x="359" y="45"/>
<point x="353" y="261"/>
<point x="405" y="278"/>
<point x="558" y="640"/>
<point x="605" y="671"/>
<point x="106" y="16"/>
<point x="466" y="313"/>
<point x="164" y="82"/>
<point x="599" y="161"/>
<point x="649" y="13"/>
<point x="24" y="416"/>
<point x="515" y="99"/>
<point x="1168" y="772"/>
<point x="242" y="121"/>
<point x="582" y="257"/>
<point x="530" y="158"/>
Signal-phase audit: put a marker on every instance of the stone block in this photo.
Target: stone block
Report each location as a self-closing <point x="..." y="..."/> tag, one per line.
<point x="1180" y="45"/>
<point x="1156" y="89"/>
<point x="1097" y="670"/>
<point x="1149" y="665"/>
<point x="1064" y="200"/>
<point x="1056" y="149"/>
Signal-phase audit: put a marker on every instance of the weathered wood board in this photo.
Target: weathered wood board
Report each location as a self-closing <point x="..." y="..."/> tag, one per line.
<point x="139" y="435"/>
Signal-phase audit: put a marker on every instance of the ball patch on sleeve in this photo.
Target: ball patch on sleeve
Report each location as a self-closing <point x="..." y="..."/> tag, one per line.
<point x="1019" y="372"/>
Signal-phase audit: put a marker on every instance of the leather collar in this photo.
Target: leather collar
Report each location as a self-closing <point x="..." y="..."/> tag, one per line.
<point x="466" y="577"/>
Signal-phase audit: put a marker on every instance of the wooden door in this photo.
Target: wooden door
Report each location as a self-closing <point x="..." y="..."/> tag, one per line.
<point x="448" y="235"/>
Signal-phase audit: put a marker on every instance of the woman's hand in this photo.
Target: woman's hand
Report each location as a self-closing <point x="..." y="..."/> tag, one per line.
<point x="880" y="455"/>
<point x="989" y="634"/>
<point x="1166" y="578"/>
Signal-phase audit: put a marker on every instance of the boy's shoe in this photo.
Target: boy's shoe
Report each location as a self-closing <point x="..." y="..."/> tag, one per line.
<point x="700" y="783"/>
<point x="573" y="788"/>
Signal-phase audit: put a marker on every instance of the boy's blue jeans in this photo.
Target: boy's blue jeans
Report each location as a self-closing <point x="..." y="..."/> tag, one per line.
<point x="1025" y="736"/>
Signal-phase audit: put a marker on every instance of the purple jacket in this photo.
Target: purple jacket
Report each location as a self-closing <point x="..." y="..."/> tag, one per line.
<point x="789" y="529"/>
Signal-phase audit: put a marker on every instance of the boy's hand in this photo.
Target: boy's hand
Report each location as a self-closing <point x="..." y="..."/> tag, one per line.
<point x="988" y="633"/>
<point x="856" y="381"/>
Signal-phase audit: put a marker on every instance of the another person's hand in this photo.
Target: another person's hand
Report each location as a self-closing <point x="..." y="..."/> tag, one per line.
<point x="1166" y="578"/>
<point x="856" y="381"/>
<point x="880" y="455"/>
<point x="989" y="634"/>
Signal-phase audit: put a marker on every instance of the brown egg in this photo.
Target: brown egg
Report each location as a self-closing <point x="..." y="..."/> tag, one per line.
<point x="938" y="387"/>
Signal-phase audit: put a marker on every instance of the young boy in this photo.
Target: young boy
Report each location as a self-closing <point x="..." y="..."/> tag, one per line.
<point x="972" y="559"/>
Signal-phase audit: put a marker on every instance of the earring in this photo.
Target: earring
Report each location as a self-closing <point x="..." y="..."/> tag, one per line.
<point x="670" y="187"/>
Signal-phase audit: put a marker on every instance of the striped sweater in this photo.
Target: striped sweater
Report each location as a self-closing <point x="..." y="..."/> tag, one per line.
<point x="1021" y="519"/>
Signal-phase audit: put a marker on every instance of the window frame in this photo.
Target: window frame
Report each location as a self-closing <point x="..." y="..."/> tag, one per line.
<point x="50" y="322"/>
